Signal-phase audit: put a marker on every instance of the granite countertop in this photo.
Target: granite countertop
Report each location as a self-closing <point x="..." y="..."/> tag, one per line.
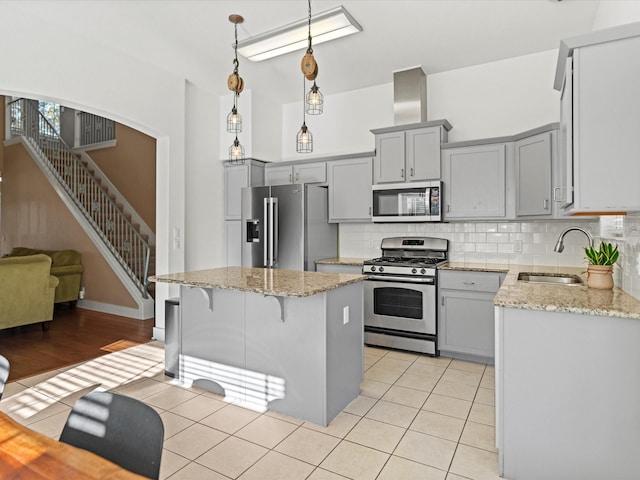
<point x="555" y="298"/>
<point x="268" y="281"/>
<point x="358" y="262"/>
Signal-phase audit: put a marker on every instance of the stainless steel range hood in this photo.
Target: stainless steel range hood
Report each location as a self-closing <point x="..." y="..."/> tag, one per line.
<point x="409" y="96"/>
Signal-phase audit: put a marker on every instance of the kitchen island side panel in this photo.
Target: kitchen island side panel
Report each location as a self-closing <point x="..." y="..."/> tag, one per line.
<point x="345" y="346"/>
<point x="569" y="395"/>
<point x="289" y="350"/>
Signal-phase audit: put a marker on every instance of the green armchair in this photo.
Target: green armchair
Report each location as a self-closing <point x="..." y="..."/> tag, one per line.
<point x="27" y="290"/>
<point x="66" y="265"/>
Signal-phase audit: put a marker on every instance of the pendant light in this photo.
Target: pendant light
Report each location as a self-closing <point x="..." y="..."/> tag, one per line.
<point x="235" y="83"/>
<point x="304" y="139"/>
<point x="236" y="152"/>
<point x="314" y="100"/>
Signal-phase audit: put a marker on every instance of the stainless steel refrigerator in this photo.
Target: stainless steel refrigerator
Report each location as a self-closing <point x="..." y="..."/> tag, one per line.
<point x="286" y="226"/>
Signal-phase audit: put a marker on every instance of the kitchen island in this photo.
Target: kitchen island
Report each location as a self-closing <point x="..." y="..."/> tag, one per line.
<point x="268" y="339"/>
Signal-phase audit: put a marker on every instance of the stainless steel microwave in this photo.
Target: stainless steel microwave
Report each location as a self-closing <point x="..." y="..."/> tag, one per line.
<point x="407" y="202"/>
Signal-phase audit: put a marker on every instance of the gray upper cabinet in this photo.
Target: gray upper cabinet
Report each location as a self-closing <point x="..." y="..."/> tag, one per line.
<point x="299" y="173"/>
<point x="423" y="153"/>
<point x="249" y="174"/>
<point x="409" y="153"/>
<point x="533" y="160"/>
<point x="599" y="76"/>
<point x="389" y="162"/>
<point x="475" y="181"/>
<point x="236" y="177"/>
<point x="278" y="175"/>
<point x="350" y="198"/>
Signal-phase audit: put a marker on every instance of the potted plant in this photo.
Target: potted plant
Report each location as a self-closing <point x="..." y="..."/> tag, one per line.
<point x="600" y="269"/>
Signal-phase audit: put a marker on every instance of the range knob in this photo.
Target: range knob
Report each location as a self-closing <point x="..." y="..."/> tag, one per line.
<point x="413" y="270"/>
<point x="381" y="269"/>
<point x="423" y="271"/>
<point x="373" y="269"/>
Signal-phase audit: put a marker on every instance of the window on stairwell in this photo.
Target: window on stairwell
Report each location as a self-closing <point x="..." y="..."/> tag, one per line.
<point x="78" y="129"/>
<point x="50" y="111"/>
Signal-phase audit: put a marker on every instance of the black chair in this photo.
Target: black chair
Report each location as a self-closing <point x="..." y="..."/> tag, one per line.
<point x="119" y="428"/>
<point x="4" y="373"/>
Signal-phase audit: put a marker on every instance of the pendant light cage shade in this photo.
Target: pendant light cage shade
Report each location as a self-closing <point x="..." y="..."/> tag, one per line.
<point x="234" y="121"/>
<point x="304" y="140"/>
<point x="236" y="153"/>
<point x="314" y="101"/>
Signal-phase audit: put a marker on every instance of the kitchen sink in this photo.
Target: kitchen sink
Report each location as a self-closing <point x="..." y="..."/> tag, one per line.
<point x="551" y="278"/>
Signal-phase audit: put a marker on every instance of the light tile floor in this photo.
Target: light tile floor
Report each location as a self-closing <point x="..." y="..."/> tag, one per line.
<point x="417" y="417"/>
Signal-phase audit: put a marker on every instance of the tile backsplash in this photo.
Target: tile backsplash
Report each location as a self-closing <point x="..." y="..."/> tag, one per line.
<point x="529" y="243"/>
<point x="630" y="256"/>
<point x="524" y="243"/>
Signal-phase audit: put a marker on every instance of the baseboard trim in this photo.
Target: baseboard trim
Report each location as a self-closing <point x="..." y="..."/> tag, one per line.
<point x="135" y="313"/>
<point x="158" y="334"/>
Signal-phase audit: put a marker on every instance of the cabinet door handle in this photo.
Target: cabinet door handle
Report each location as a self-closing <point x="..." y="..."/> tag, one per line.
<point x="369" y="211"/>
<point x="467" y="282"/>
<point x="448" y="208"/>
<point x="297" y="176"/>
<point x="557" y="197"/>
<point x="290" y="178"/>
<point x="411" y="172"/>
<point x="442" y="301"/>
<point x="546" y="204"/>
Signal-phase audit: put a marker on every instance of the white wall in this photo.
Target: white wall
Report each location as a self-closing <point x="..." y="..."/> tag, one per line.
<point x="496" y="99"/>
<point x="615" y="12"/>
<point x="109" y="83"/>
<point x="344" y="125"/>
<point x="490" y="100"/>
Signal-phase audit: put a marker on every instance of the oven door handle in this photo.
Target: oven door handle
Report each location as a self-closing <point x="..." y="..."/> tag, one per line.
<point x="382" y="278"/>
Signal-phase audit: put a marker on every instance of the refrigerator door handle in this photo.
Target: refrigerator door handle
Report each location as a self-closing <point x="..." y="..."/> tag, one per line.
<point x="267" y="223"/>
<point x="274" y="231"/>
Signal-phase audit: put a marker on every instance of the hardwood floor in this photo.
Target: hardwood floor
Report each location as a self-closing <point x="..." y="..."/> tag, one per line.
<point x="74" y="336"/>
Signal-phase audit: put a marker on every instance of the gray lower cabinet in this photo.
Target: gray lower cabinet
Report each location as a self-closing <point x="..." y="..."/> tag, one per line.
<point x="466" y="314"/>
<point x="567" y="395"/>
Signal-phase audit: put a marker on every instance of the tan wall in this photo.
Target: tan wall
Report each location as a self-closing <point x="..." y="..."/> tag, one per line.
<point x="2" y="121"/>
<point x="131" y="167"/>
<point x="33" y="215"/>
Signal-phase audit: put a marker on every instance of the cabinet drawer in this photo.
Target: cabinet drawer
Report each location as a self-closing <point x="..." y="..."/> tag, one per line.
<point x="470" y="281"/>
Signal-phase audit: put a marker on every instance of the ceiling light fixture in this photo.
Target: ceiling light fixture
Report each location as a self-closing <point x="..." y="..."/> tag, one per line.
<point x="313" y="100"/>
<point x="309" y="67"/>
<point x="235" y="83"/>
<point x="304" y="139"/>
<point x="329" y="25"/>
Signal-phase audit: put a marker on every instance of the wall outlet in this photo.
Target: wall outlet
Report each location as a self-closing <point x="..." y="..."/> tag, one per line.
<point x="176" y="238"/>
<point x="81" y="294"/>
<point x="518" y="246"/>
<point x="345" y="315"/>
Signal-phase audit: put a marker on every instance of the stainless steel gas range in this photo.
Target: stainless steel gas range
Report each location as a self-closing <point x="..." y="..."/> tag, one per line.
<point x="400" y="298"/>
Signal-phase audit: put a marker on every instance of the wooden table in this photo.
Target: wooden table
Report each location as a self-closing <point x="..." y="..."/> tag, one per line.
<point x="25" y="454"/>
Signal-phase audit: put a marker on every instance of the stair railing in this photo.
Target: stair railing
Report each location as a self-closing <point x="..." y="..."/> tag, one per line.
<point x="130" y="248"/>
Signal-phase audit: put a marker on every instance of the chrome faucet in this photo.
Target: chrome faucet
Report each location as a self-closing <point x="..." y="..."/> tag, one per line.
<point x="560" y="243"/>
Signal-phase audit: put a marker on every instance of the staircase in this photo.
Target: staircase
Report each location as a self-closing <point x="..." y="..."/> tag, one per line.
<point x="89" y="191"/>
